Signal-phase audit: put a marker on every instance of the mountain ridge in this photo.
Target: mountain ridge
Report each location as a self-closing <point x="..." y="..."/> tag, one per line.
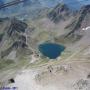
<point x="59" y="13"/>
<point x="14" y="34"/>
<point x="82" y="19"/>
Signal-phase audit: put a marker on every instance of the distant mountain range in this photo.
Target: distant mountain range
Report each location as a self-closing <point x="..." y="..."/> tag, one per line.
<point x="30" y="5"/>
<point x="52" y="3"/>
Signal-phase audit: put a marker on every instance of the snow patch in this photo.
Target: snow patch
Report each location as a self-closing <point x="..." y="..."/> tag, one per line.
<point x="86" y="28"/>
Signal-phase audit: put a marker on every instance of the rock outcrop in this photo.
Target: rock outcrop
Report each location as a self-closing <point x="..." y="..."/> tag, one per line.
<point x="59" y="13"/>
<point x="13" y="37"/>
<point x="82" y="20"/>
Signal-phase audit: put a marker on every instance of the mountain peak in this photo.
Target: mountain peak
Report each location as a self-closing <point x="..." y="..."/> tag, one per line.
<point x="60" y="12"/>
<point x="85" y="9"/>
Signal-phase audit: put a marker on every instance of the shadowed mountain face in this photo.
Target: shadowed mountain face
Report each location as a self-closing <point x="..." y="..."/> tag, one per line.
<point x="59" y="13"/>
<point x="16" y="26"/>
<point x="12" y="36"/>
<point x="77" y="21"/>
<point x="82" y="20"/>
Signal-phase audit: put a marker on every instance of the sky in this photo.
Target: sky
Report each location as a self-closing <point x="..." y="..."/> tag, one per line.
<point x="84" y="1"/>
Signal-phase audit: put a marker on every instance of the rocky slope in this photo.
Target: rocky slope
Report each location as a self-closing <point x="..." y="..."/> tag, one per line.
<point x="59" y="13"/>
<point x="82" y="20"/>
<point x="78" y="26"/>
<point x="36" y="5"/>
<point x="12" y="36"/>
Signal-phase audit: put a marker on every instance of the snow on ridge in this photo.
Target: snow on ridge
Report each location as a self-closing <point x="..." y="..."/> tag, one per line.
<point x="86" y="28"/>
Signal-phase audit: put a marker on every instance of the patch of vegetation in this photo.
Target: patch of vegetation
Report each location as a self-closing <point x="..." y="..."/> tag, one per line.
<point x="6" y="63"/>
<point x="71" y="39"/>
<point x="23" y="62"/>
<point x="1" y="36"/>
<point x="38" y="63"/>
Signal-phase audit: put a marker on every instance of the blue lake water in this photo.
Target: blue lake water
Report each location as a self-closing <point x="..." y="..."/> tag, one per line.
<point x="51" y="50"/>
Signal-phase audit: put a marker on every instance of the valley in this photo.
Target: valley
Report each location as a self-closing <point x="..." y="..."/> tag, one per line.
<point x="22" y="62"/>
